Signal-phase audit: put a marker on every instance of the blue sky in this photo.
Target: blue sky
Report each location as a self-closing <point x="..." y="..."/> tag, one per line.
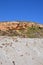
<point x="26" y="10"/>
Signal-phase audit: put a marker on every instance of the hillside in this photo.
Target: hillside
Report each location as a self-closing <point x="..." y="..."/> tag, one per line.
<point x="22" y="29"/>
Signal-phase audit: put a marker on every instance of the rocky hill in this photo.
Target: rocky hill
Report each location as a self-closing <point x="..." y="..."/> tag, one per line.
<point x="22" y="29"/>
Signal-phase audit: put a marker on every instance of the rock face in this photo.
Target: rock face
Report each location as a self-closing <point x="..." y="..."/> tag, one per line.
<point x="21" y="51"/>
<point x="17" y="25"/>
<point x="24" y="29"/>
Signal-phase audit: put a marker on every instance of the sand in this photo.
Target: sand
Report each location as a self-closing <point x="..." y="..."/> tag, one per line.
<point x="21" y="51"/>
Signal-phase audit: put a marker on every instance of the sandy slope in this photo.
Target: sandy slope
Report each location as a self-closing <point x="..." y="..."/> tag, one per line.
<point x="21" y="51"/>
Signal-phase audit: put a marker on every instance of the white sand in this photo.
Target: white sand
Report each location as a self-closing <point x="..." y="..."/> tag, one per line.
<point x="21" y="51"/>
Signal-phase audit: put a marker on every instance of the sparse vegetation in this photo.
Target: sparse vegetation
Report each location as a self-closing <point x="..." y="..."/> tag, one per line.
<point x="34" y="32"/>
<point x="21" y="29"/>
<point x="31" y="32"/>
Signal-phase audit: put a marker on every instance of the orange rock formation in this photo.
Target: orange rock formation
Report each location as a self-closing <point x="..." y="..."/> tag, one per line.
<point x="17" y="25"/>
